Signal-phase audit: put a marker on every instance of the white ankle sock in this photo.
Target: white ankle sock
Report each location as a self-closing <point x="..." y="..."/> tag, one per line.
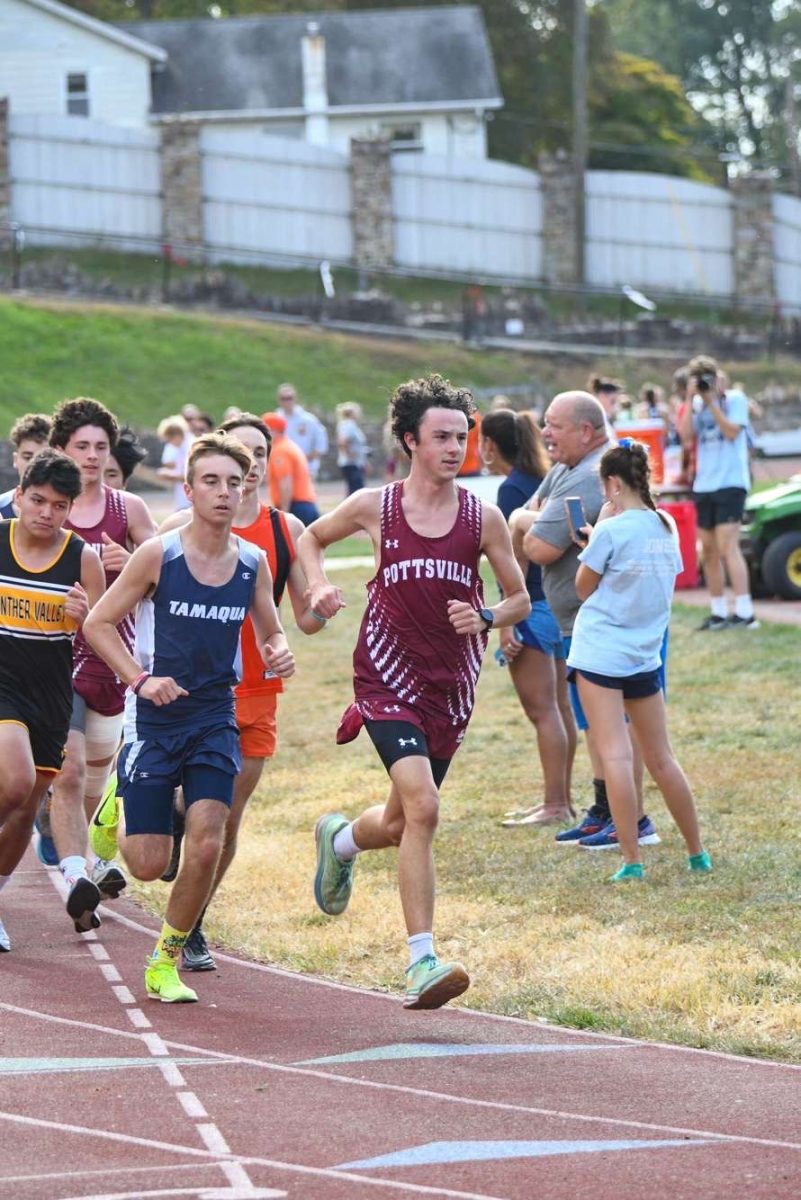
<point x="420" y="944"/>
<point x="72" y="867"/>
<point x="344" y="846"/>
<point x="744" y="607"/>
<point x="718" y="606"/>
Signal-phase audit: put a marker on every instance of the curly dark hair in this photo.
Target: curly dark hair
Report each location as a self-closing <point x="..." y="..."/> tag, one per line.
<point x="129" y="452"/>
<point x="412" y="400"/>
<point x="74" y="414"/>
<point x="251" y="420"/>
<point x="57" y="469"/>
<point x="33" y="427"/>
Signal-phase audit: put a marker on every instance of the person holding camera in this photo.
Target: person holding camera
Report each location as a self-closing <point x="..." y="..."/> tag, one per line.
<point x="718" y="420"/>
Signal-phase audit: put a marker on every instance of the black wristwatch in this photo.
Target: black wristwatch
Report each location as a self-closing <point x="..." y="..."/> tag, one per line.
<point x="488" y="617"/>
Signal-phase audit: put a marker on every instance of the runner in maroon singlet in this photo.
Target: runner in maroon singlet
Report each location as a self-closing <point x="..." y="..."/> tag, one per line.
<point x="418" y="655"/>
<point x="112" y="523"/>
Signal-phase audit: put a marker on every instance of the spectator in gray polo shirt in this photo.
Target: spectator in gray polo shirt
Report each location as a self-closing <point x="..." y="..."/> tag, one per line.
<point x="577" y="435"/>
<point x="303" y="427"/>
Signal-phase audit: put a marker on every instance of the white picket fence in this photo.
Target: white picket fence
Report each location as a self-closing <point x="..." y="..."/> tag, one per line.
<point x="281" y="200"/>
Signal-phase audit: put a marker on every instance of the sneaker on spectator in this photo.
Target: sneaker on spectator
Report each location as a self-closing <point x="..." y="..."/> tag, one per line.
<point x="589" y="824"/>
<point x="606" y="838"/>
<point x="743" y="623"/>
<point x="713" y="622"/>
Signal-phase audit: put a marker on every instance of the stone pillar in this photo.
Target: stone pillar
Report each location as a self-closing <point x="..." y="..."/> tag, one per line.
<point x="371" y="191"/>
<point x="754" y="274"/>
<point x="182" y="188"/>
<point x="558" y="187"/>
<point x="5" y="176"/>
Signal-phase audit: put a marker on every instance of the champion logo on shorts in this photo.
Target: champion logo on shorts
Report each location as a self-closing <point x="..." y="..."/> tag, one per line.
<point x="407" y="742"/>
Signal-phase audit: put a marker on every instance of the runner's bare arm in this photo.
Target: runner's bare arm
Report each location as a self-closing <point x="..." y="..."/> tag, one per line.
<point x="139" y="575"/>
<point x="175" y="520"/>
<point x="140" y="522"/>
<point x="88" y="589"/>
<point x="496" y="543"/>
<point x="140" y="528"/>
<point x="358" y="513"/>
<point x="297" y="585"/>
<point x="270" y="635"/>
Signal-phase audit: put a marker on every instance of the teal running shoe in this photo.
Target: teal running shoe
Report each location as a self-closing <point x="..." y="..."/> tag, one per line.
<point x="628" y="871"/>
<point x="430" y="983"/>
<point x="700" y="862"/>
<point x="333" y="882"/>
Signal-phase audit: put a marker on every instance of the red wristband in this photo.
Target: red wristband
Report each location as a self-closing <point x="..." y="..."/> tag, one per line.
<point x="136" y="684"/>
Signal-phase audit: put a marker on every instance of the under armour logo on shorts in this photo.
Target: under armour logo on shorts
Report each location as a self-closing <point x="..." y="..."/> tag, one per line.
<point x="407" y="742"/>
<point x="391" y="708"/>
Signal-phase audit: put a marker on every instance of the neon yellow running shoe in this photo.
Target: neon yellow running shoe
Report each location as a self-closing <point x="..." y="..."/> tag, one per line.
<point x="164" y="983"/>
<point x="430" y="983"/>
<point x="105" y="822"/>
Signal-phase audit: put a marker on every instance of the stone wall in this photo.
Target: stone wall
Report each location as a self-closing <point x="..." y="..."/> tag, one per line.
<point x="182" y="188"/>
<point x="558" y="190"/>
<point x="752" y="197"/>
<point x="5" y="172"/>
<point x="371" y="190"/>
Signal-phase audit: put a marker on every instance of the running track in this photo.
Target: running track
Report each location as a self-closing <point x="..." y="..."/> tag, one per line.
<point x="282" y="1085"/>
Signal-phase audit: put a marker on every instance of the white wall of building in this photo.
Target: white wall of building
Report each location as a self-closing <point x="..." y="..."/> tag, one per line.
<point x="787" y="252"/>
<point x="37" y="53"/>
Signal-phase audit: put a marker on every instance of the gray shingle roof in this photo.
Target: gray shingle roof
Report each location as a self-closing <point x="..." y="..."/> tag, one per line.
<point x="389" y="56"/>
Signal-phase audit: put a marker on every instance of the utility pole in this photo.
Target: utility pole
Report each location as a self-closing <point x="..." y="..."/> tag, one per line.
<point x="580" y="132"/>
<point x="791" y="119"/>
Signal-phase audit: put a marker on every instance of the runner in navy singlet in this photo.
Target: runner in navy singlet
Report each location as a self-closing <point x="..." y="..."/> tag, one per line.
<point x="28" y="435"/>
<point x="194" y="587"/>
<point x="418" y="655"/>
<point x="112" y="523"/>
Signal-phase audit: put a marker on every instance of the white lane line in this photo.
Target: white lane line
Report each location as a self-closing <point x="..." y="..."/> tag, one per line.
<point x="98" y="952"/>
<point x="172" y="1075"/>
<point x="215" y="1141"/>
<point x="155" y="1045"/>
<point x="104" y="1171"/>
<point x="110" y="972"/>
<point x="202" y="1192"/>
<point x="500" y="1105"/>
<point x="138" y="1018"/>
<point x="250" y="1160"/>
<point x="191" y="1105"/>
<point x="353" y="1081"/>
<point x="333" y="985"/>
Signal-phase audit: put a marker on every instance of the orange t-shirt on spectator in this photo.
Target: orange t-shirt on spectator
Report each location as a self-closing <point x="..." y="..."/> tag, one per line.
<point x="287" y="459"/>
<point x="472" y="460"/>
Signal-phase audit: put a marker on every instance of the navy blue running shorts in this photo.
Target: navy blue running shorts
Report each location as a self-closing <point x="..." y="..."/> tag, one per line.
<point x="204" y="762"/>
<point x="633" y="687"/>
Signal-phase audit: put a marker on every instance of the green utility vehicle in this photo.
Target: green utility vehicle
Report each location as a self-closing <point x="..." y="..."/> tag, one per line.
<point x="771" y="540"/>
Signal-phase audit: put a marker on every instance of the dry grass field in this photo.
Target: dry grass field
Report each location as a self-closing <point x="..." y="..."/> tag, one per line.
<point x="710" y="961"/>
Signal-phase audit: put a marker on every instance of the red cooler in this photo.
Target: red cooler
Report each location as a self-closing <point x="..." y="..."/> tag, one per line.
<point x="683" y="513"/>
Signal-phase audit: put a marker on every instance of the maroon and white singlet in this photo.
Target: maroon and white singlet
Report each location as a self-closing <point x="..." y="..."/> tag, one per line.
<point x="102" y="690"/>
<point x="409" y="663"/>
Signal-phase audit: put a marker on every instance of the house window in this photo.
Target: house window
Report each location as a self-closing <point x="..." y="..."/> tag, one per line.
<point x="404" y="137"/>
<point x="78" y="95"/>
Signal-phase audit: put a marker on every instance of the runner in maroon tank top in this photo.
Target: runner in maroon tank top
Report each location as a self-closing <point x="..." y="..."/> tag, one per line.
<point x="113" y="523"/>
<point x="417" y="658"/>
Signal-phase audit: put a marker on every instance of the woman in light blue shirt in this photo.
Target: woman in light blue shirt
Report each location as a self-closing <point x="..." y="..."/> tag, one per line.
<point x="625" y="579"/>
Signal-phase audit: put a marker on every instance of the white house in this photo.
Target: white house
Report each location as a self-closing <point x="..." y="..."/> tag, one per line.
<point x="56" y="60"/>
<point x="423" y="77"/>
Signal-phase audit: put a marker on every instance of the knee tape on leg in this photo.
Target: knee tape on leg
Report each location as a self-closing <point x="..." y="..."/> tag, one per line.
<point x="102" y="741"/>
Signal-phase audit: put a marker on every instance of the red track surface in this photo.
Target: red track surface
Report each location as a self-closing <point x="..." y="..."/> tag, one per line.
<point x="222" y="1102"/>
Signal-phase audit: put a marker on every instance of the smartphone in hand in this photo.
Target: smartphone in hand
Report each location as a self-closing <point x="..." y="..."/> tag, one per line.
<point x="576" y="519"/>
